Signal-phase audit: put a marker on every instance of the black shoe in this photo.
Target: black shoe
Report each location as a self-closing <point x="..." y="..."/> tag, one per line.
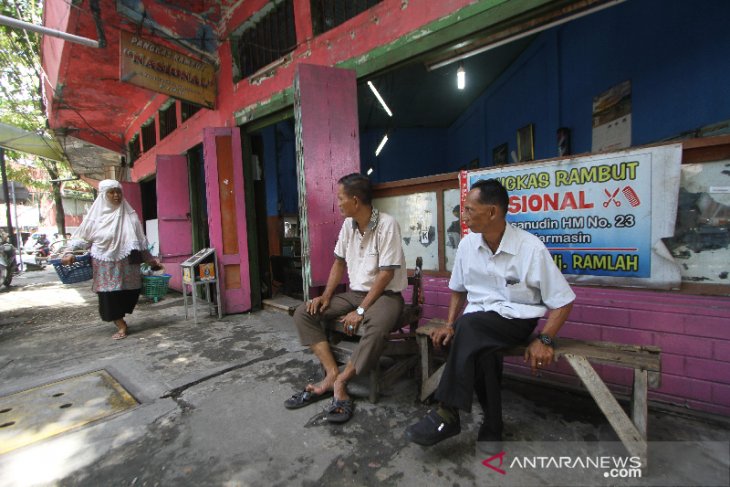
<point x="432" y="428"/>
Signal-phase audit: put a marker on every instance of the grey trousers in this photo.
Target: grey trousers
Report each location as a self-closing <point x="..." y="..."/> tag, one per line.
<point x="380" y="319"/>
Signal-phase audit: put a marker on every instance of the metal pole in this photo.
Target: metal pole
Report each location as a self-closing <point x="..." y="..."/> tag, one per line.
<point x="18" y="234"/>
<point x="6" y="194"/>
<point x="11" y="22"/>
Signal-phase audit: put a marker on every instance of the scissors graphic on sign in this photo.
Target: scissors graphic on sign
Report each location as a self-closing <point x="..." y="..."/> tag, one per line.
<point x="611" y="197"/>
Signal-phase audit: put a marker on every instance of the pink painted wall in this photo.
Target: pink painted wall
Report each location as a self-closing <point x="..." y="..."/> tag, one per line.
<point x="692" y="331"/>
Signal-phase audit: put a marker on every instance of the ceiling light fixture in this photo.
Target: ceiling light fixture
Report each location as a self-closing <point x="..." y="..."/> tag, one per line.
<point x="461" y="77"/>
<point x="529" y="32"/>
<point x="380" y="98"/>
<point x="370" y="171"/>
<point x="381" y="145"/>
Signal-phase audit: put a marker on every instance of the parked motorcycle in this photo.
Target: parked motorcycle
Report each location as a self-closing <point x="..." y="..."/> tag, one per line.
<point x="8" y="264"/>
<point x="41" y="251"/>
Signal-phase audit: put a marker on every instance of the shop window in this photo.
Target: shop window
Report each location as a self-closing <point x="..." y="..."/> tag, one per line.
<point x="262" y="41"/>
<point x="187" y="110"/>
<point x="133" y="149"/>
<point x="328" y="14"/>
<point x="149" y="136"/>
<point x="168" y="120"/>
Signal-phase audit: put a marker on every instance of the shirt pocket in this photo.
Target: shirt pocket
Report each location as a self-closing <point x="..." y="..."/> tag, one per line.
<point x="520" y="293"/>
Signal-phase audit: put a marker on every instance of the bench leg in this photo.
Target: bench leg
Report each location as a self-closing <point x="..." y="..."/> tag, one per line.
<point x="639" y="406"/>
<point x="629" y="435"/>
<point x="374" y="384"/>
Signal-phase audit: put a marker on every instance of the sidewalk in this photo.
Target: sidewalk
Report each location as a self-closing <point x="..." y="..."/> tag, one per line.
<point x="211" y="409"/>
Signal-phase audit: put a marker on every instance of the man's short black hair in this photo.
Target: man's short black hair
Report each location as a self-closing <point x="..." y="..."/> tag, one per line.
<point x="491" y="192"/>
<point x="359" y="185"/>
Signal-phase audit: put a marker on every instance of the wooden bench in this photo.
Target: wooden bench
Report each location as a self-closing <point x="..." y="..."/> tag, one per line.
<point x="401" y="347"/>
<point x="644" y="360"/>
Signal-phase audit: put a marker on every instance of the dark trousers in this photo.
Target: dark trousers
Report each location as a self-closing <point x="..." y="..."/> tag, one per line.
<point x="475" y="362"/>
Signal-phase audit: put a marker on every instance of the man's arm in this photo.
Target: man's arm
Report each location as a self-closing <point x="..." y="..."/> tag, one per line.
<point x="539" y="354"/>
<point x="442" y="336"/>
<point x="322" y="302"/>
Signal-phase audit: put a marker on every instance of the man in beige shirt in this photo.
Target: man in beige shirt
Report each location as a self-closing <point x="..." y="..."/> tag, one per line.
<point x="369" y="247"/>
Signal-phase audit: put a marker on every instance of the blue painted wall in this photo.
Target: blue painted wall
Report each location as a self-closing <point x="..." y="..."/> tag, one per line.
<point x="675" y="53"/>
<point x="409" y="153"/>
<point x="280" y="168"/>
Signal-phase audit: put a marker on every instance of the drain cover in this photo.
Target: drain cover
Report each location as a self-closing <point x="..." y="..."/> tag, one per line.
<point x="39" y="413"/>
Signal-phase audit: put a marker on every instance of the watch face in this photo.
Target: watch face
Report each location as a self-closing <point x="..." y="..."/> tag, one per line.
<point x="546" y="340"/>
<point x="360" y="311"/>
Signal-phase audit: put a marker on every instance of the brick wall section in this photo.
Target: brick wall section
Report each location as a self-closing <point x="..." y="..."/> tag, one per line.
<point x="692" y="331"/>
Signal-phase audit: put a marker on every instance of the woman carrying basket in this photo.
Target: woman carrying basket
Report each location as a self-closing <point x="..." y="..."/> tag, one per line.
<point x="118" y="247"/>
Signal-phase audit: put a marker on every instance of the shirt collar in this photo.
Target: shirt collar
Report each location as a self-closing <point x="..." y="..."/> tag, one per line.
<point x="374" y="218"/>
<point x="508" y="243"/>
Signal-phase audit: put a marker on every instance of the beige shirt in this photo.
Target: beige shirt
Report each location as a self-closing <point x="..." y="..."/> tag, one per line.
<point x="379" y="248"/>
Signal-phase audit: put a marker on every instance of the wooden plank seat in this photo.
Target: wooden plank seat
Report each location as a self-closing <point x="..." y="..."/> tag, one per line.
<point x="401" y="350"/>
<point x="644" y="360"/>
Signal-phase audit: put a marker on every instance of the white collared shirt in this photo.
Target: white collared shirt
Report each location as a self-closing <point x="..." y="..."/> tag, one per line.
<point x="520" y="280"/>
<point x="366" y="254"/>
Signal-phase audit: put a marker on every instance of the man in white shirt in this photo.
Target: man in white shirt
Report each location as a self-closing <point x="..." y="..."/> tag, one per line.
<point x="508" y="280"/>
<point x="369" y="246"/>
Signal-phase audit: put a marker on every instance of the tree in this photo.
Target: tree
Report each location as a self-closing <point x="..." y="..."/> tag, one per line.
<point x="21" y="103"/>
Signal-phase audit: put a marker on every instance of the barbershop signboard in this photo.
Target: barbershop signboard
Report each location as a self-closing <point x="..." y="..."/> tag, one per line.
<point x="602" y="217"/>
<point x="157" y="68"/>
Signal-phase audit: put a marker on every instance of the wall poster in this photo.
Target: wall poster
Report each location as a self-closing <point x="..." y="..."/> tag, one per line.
<point x="701" y="241"/>
<point x="452" y="224"/>
<point x="612" y="119"/>
<point x="603" y="217"/>
<point x="416" y="214"/>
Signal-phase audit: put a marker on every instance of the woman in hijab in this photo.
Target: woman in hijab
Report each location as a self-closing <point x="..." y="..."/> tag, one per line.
<point x="118" y="247"/>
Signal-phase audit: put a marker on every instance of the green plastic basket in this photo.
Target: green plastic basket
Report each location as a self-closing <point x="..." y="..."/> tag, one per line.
<point x="155" y="287"/>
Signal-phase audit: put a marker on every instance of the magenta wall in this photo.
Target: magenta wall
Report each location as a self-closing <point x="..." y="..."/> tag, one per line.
<point x="693" y="333"/>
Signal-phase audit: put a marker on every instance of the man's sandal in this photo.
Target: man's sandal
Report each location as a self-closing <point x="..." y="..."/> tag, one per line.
<point x="119" y="335"/>
<point x="305" y="398"/>
<point x="340" y="411"/>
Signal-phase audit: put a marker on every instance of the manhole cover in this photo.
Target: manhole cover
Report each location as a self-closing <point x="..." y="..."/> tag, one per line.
<point x="45" y="411"/>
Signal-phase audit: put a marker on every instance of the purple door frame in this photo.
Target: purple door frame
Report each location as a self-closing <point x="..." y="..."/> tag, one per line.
<point x="173" y="214"/>
<point x="328" y="147"/>
<point x="227" y="215"/>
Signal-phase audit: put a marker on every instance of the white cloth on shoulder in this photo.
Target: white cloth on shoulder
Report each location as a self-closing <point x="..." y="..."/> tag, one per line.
<point x="113" y="230"/>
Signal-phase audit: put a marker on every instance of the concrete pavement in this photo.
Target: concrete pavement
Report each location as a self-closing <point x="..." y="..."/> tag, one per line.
<point x="210" y="410"/>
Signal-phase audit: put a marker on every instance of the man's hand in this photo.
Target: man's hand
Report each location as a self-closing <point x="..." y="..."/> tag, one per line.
<point x="317" y="305"/>
<point x="441" y="336"/>
<point x="351" y="321"/>
<point x="539" y="355"/>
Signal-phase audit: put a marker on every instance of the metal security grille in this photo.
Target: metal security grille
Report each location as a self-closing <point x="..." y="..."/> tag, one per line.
<point x="133" y="148"/>
<point x="328" y="14"/>
<point x="187" y="110"/>
<point x="149" y="136"/>
<point x="266" y="37"/>
<point x="168" y="120"/>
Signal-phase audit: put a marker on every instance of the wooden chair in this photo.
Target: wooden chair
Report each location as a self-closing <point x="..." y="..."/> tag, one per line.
<point x="401" y="348"/>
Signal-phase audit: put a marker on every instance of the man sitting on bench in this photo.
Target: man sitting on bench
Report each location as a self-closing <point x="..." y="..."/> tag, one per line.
<point x="509" y="280"/>
<point x="369" y="245"/>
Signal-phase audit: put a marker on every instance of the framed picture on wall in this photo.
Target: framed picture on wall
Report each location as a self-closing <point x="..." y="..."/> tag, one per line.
<point x="500" y="154"/>
<point x="525" y="143"/>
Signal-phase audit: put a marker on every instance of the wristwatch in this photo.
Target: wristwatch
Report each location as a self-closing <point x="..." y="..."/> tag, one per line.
<point x="546" y="340"/>
<point x="360" y="311"/>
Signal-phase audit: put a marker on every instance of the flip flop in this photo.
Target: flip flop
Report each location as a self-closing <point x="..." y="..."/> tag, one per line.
<point x="119" y="336"/>
<point x="340" y="411"/>
<point x="305" y="398"/>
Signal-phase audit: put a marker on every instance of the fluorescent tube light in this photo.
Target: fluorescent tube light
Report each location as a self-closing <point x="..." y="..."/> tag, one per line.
<point x="370" y="171"/>
<point x="380" y="98"/>
<point x="382" y="144"/>
<point x="460" y="78"/>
